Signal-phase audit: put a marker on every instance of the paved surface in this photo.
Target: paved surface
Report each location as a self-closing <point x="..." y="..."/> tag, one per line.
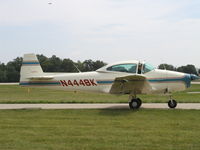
<point x="195" y="82"/>
<point x="14" y="83"/>
<point x="193" y="92"/>
<point x="96" y="106"/>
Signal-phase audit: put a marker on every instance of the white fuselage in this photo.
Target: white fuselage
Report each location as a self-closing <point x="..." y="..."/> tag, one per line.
<point x="160" y="80"/>
<point x="105" y="79"/>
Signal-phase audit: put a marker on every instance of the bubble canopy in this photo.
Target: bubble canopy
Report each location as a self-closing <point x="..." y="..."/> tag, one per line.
<point x="147" y="67"/>
<point x="128" y="67"/>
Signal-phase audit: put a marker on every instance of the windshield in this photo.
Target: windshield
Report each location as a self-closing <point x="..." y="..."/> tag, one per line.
<point x="130" y="68"/>
<point x="147" y="67"/>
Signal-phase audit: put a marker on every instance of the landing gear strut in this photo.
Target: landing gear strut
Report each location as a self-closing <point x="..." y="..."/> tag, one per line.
<point x="135" y="103"/>
<point x="172" y="103"/>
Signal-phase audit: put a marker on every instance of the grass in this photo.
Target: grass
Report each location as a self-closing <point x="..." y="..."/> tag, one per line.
<point x="145" y="129"/>
<point x="17" y="94"/>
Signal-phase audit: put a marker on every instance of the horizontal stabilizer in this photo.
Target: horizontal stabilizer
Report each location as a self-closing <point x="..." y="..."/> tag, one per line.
<point x="40" y="77"/>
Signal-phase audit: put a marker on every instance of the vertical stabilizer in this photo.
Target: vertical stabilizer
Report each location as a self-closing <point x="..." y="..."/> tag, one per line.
<point x="30" y="67"/>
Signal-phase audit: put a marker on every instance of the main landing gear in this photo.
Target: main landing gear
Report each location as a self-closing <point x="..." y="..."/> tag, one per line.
<point x="134" y="102"/>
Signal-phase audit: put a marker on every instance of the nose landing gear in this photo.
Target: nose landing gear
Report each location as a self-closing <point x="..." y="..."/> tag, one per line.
<point x="172" y="103"/>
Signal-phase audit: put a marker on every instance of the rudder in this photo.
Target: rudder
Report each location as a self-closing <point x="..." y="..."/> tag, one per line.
<point x="30" y="67"/>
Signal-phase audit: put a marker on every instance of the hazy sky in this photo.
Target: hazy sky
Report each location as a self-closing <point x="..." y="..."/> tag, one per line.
<point x="157" y="31"/>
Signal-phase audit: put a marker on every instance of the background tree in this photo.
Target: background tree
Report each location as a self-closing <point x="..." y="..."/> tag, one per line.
<point x="12" y="75"/>
<point x="167" y="67"/>
<point x="68" y="66"/>
<point x="79" y="65"/>
<point x="3" y="76"/>
<point x="98" y="64"/>
<point x="10" y="72"/>
<point x="89" y="65"/>
<point x="44" y="62"/>
<point x="53" y="64"/>
<point x="188" y="69"/>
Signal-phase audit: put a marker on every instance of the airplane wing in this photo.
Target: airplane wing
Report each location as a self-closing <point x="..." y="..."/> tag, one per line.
<point x="134" y="84"/>
<point x="40" y="77"/>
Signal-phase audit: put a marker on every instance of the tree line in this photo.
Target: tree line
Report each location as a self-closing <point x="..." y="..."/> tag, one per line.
<point x="10" y="72"/>
<point x="191" y="69"/>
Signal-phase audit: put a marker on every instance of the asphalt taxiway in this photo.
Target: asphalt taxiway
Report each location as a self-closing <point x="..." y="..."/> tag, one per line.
<point x="97" y="106"/>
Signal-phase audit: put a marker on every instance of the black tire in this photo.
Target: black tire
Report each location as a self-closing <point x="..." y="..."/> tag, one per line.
<point x="140" y="102"/>
<point x="135" y="103"/>
<point x="172" y="103"/>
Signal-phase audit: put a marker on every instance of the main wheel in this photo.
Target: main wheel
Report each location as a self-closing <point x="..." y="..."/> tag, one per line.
<point x="135" y="103"/>
<point x="172" y="103"/>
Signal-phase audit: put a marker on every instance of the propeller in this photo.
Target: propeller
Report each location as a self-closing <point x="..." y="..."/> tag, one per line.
<point x="194" y="77"/>
<point x="197" y="70"/>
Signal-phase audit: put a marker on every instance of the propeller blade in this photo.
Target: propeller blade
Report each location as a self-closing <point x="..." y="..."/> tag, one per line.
<point x="194" y="77"/>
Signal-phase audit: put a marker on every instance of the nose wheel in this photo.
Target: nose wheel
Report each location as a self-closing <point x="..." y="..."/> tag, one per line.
<point x="172" y="103"/>
<point x="135" y="103"/>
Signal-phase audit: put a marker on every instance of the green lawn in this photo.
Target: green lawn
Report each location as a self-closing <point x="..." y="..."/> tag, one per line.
<point x="146" y="129"/>
<point x="17" y="94"/>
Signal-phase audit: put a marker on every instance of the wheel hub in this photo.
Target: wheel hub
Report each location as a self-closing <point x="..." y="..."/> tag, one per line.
<point x="134" y="104"/>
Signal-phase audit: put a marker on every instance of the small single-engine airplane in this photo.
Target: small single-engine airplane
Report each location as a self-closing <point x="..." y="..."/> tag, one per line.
<point x="127" y="77"/>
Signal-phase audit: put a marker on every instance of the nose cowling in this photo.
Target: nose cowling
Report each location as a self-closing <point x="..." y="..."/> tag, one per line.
<point x="187" y="80"/>
<point x="190" y="77"/>
<point x="194" y="77"/>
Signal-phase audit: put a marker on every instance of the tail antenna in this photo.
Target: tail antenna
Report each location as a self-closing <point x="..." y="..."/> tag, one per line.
<point x="164" y="66"/>
<point x="76" y="68"/>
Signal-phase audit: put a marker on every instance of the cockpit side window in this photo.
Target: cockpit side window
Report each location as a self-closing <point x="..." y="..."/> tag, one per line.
<point x="130" y="68"/>
<point x="147" y="68"/>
